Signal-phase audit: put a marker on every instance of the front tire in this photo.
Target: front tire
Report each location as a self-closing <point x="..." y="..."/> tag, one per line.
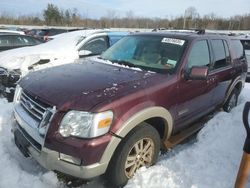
<point x="231" y="101"/>
<point x="139" y="148"/>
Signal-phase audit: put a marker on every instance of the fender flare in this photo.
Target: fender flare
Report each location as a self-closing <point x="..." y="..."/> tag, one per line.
<point x="232" y="86"/>
<point x="134" y="121"/>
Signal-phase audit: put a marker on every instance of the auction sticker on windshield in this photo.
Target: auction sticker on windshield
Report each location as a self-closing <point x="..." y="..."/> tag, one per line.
<point x="173" y="41"/>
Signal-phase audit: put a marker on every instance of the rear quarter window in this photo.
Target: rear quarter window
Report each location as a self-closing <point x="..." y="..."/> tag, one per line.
<point x="238" y="48"/>
<point x="246" y="44"/>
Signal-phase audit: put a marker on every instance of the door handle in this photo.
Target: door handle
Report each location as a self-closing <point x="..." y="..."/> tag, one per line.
<point x="233" y="71"/>
<point x="211" y="80"/>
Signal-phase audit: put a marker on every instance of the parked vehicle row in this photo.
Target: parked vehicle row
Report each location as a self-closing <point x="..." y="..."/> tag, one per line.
<point x="45" y="34"/>
<point x="112" y="114"/>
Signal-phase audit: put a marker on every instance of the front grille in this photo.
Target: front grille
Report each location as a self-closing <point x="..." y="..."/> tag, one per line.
<point x="39" y="111"/>
<point x="33" y="106"/>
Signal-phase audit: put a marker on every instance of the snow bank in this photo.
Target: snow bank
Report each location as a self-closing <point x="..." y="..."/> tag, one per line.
<point x="209" y="161"/>
<point x="15" y="170"/>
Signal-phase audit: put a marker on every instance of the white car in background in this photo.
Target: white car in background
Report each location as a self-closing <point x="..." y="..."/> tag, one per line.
<point x="64" y="48"/>
<point x="11" y="31"/>
<point x="245" y="40"/>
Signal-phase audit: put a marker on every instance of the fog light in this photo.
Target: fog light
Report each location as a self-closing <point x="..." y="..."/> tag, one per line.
<point x="69" y="159"/>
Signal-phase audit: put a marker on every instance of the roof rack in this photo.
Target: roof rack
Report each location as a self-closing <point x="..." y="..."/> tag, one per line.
<point x="196" y="31"/>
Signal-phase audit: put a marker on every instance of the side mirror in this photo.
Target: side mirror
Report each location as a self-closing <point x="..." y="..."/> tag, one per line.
<point x="198" y="73"/>
<point x="84" y="53"/>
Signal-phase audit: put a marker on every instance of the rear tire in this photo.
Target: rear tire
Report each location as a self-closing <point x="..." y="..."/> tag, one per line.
<point x="139" y="148"/>
<point x="231" y="101"/>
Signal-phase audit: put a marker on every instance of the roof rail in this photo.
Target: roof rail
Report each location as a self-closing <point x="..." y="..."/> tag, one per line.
<point x="200" y="31"/>
<point x="197" y="31"/>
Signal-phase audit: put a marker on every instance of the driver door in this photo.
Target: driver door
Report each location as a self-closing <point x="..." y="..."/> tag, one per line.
<point x="194" y="96"/>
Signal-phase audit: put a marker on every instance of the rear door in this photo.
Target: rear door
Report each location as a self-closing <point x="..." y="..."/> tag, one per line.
<point x="222" y="69"/>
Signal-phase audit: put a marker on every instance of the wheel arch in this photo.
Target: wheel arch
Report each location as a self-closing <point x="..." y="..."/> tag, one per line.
<point x="148" y="115"/>
<point x="238" y="84"/>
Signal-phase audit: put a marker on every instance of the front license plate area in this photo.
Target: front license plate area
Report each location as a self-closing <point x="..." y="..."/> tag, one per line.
<point x="22" y="143"/>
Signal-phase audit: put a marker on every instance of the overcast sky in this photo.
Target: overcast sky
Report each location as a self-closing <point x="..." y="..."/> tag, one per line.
<point x="143" y="8"/>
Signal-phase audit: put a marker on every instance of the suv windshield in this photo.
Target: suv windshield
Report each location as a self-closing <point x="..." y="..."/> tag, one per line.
<point x="154" y="53"/>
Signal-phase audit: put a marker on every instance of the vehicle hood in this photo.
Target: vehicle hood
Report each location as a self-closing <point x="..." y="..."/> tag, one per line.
<point x="81" y="86"/>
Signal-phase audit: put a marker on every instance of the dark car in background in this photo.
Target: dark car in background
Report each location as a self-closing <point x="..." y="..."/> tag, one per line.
<point x="10" y="41"/>
<point x="44" y="34"/>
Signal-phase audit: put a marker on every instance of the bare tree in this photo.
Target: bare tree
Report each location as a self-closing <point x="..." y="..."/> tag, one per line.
<point x="190" y="15"/>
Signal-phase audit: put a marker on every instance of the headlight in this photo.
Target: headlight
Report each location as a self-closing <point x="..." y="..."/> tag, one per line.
<point x="85" y="124"/>
<point x="3" y="72"/>
<point x="17" y="95"/>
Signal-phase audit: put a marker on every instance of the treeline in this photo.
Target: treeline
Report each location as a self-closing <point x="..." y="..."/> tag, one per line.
<point x="53" y="16"/>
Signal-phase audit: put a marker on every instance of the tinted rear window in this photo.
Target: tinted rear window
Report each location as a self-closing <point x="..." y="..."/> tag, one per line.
<point x="246" y="44"/>
<point x="221" y="53"/>
<point x="238" y="48"/>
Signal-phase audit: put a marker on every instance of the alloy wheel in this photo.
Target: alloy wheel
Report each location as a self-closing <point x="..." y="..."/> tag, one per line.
<point x="141" y="154"/>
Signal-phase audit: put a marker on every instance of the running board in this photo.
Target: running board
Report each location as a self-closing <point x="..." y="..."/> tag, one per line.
<point x="176" y="139"/>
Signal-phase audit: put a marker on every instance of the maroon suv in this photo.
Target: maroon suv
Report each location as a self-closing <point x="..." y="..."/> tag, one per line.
<point x="114" y="113"/>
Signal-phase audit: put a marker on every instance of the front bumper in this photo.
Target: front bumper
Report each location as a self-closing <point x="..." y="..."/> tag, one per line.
<point x="51" y="160"/>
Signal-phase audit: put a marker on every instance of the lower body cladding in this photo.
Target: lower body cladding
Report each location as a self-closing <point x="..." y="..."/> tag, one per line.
<point x="29" y="145"/>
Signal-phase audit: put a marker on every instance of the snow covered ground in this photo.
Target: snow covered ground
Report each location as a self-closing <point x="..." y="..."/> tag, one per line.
<point x="209" y="161"/>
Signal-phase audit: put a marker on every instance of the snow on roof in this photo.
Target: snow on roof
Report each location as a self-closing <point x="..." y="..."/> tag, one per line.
<point x="11" y="31"/>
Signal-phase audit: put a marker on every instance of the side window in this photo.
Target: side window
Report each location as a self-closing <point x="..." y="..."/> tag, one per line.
<point x="220" y="59"/>
<point x="199" y="54"/>
<point x="238" y="48"/>
<point x="96" y="45"/>
<point x="19" y="41"/>
<point x="29" y="41"/>
<point x="5" y="41"/>
<point x="246" y="44"/>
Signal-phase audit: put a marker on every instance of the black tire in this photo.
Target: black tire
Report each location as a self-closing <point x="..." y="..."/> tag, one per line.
<point x="144" y="135"/>
<point x="231" y="101"/>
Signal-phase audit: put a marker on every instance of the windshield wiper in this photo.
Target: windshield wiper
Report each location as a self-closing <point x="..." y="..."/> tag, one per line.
<point x="124" y="62"/>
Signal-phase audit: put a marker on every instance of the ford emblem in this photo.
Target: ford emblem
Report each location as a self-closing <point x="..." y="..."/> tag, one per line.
<point x="29" y="105"/>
